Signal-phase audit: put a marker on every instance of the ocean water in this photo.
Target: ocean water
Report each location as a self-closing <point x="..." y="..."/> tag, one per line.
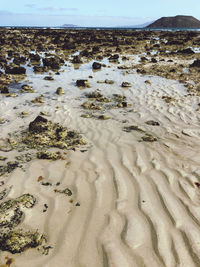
<point x="102" y="28"/>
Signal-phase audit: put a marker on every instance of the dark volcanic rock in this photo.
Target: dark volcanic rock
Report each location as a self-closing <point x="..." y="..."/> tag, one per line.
<point x="48" y="78"/>
<point x="77" y="60"/>
<point x="53" y="62"/>
<point x="4" y="90"/>
<point x="34" y="57"/>
<point x="82" y="83"/>
<point x="113" y="57"/>
<point x="39" y="69"/>
<point x="38" y="125"/>
<point x="15" y="70"/>
<point x="153" y="60"/>
<point x="96" y="66"/>
<point x="126" y="84"/>
<point x="19" y="60"/>
<point x="195" y="64"/>
<point x="176" y="22"/>
<point x="187" y="51"/>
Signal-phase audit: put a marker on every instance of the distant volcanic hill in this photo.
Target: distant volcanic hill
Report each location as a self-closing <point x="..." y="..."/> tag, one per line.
<point x="176" y="22"/>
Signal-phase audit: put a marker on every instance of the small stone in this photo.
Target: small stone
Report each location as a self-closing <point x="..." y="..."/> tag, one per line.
<point x="96" y="66"/>
<point x="27" y="89"/>
<point x="153" y="60"/>
<point x="38" y="100"/>
<point x="94" y="94"/>
<point x="91" y="105"/>
<point x="153" y="123"/>
<point x="132" y="128"/>
<point x="114" y="57"/>
<point x="45" y="207"/>
<point x="2" y="158"/>
<point x="48" y="78"/>
<point x="149" y="138"/>
<point x="83" y="83"/>
<point x="60" y="91"/>
<point x="103" y="117"/>
<point x="24" y="114"/>
<point x="44" y="113"/>
<point x="168" y="99"/>
<point x="77" y="60"/>
<point x="86" y="116"/>
<point x="109" y="81"/>
<point x="126" y="84"/>
<point x="147" y="82"/>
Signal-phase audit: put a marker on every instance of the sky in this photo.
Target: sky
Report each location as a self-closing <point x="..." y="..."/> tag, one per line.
<point x="86" y="13"/>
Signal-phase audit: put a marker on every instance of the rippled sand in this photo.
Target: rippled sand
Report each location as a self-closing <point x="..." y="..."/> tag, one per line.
<point x="139" y="205"/>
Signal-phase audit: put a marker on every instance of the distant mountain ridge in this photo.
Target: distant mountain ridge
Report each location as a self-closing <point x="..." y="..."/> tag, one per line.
<point x="69" y="26"/>
<point x="178" y="21"/>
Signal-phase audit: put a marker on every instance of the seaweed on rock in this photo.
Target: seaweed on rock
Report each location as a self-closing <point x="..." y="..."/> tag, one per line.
<point x="11" y="214"/>
<point x="10" y="210"/>
<point x="16" y="241"/>
<point x="44" y="133"/>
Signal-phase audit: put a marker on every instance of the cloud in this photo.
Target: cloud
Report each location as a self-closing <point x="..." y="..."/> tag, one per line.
<point x="56" y="9"/>
<point x="30" y="5"/>
<point x="5" y="12"/>
<point x="51" y="8"/>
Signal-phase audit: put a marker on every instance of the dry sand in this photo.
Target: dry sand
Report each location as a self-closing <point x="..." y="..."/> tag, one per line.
<point x="139" y="205"/>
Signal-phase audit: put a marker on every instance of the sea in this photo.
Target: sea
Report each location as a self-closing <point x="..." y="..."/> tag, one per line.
<point x="101" y="28"/>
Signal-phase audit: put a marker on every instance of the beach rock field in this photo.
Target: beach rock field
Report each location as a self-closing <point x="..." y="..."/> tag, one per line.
<point x="99" y="148"/>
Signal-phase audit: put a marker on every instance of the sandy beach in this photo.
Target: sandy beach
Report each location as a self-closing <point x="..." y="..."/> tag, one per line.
<point x="127" y="193"/>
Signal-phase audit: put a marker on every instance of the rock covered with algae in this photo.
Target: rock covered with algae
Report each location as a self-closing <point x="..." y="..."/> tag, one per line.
<point x="44" y="133"/>
<point x="11" y="210"/>
<point x="11" y="214"/>
<point x="16" y="241"/>
<point x="41" y="135"/>
<point x="8" y="167"/>
<point x="49" y="155"/>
